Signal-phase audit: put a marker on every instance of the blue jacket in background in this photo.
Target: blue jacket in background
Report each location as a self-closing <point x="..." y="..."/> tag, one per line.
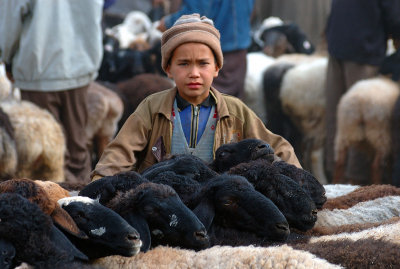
<point x="231" y="18"/>
<point x="358" y="30"/>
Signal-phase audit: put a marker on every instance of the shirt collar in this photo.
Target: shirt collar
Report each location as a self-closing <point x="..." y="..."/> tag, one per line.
<point x="182" y="103"/>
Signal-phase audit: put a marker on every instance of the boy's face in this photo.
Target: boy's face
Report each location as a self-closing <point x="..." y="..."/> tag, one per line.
<point x="193" y="68"/>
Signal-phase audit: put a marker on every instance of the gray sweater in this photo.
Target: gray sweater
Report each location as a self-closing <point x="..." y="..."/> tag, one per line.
<point x="52" y="45"/>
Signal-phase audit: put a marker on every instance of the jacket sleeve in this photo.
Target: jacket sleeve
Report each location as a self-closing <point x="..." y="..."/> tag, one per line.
<point x="119" y="155"/>
<point x="12" y="15"/>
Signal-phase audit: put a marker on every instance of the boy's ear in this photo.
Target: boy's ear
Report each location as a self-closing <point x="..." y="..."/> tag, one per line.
<point x="167" y="71"/>
<point x="216" y="71"/>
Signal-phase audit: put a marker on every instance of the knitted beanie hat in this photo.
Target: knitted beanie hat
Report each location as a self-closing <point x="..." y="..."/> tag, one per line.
<point x="191" y="28"/>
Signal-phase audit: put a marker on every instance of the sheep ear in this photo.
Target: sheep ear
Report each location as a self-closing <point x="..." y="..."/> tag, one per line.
<point x="141" y="226"/>
<point x="205" y="212"/>
<point x="61" y="241"/>
<point x="65" y="222"/>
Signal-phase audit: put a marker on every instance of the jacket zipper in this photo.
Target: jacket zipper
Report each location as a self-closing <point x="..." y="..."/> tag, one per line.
<point x="193" y="134"/>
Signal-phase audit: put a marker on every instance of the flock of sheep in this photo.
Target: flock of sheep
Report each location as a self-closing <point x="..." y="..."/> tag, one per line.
<point x="243" y="210"/>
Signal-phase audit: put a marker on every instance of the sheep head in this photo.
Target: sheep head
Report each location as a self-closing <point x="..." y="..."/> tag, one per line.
<point x="157" y="209"/>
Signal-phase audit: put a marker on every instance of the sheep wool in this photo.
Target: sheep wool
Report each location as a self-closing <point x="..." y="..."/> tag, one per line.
<point x="219" y="257"/>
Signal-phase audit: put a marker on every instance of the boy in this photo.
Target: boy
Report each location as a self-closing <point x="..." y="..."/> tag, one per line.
<point x="192" y="117"/>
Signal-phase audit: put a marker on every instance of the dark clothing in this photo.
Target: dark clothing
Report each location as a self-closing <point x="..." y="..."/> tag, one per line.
<point x="358" y="30"/>
<point x="69" y="109"/>
<point x="231" y="77"/>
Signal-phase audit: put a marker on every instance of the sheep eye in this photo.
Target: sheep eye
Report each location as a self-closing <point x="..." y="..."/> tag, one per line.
<point x="223" y="154"/>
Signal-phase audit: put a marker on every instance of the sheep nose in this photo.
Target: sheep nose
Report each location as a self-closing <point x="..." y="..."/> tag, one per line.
<point x="265" y="147"/>
<point x="201" y="235"/>
<point x="314" y="212"/>
<point x="133" y="237"/>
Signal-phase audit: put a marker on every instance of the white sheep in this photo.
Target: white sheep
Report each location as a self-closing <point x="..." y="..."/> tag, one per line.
<point x="218" y="257"/>
<point x="363" y="115"/>
<point x="257" y="63"/>
<point x="373" y="211"/>
<point x="303" y="100"/>
<point x="336" y="190"/>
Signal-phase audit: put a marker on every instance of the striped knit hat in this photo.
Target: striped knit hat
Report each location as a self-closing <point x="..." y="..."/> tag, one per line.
<point x="191" y="28"/>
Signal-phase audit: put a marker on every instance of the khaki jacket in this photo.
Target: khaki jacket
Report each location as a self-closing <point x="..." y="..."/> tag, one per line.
<point x="145" y="138"/>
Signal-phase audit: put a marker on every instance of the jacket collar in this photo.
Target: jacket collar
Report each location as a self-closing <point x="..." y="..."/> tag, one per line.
<point x="166" y="109"/>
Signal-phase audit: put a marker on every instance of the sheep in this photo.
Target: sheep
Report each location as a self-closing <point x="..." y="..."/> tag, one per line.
<point x="135" y="89"/>
<point x="105" y="109"/>
<point x="106" y="188"/>
<point x="219" y="200"/>
<point x="361" y="194"/>
<point x="364" y="212"/>
<point x="36" y="240"/>
<point x="108" y="233"/>
<point x="157" y="209"/>
<point x="46" y="200"/>
<point x="257" y="63"/>
<point x="297" y="206"/>
<point x="229" y="155"/>
<point x="336" y="190"/>
<point x="219" y="257"/>
<point x="283" y="39"/>
<point x="363" y="115"/>
<point x="8" y="152"/>
<point x="302" y="97"/>
<point x="7" y="254"/>
<point x="39" y="140"/>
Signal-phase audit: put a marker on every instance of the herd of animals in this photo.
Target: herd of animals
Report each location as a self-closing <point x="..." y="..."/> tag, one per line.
<point x="246" y="209"/>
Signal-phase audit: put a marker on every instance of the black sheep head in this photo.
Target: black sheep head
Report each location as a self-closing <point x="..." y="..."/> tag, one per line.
<point x="295" y="204"/>
<point x="186" y="165"/>
<point x="156" y="209"/>
<point x="229" y="155"/>
<point x="306" y="180"/>
<point x="230" y="201"/>
<point x="106" y="188"/>
<point x="36" y="240"/>
<point x="108" y="233"/>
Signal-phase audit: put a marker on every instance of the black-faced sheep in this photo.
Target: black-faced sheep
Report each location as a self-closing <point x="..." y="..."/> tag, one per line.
<point x="220" y="200"/>
<point x="106" y="188"/>
<point x="45" y="199"/>
<point x="39" y="140"/>
<point x="36" y="240"/>
<point x="296" y="205"/>
<point x="158" y="214"/>
<point x="108" y="233"/>
<point x="7" y="254"/>
<point x="363" y="116"/>
<point x="230" y="155"/>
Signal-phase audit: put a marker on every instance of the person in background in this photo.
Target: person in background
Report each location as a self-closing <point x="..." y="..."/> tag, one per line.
<point x="233" y="19"/>
<point x="193" y="117"/>
<point x="357" y="33"/>
<point x="54" y="49"/>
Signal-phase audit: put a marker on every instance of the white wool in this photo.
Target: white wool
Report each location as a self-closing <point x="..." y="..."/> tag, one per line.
<point x="336" y="190"/>
<point x="219" y="257"/>
<point x="257" y="63"/>
<point x="388" y="232"/>
<point x="373" y="211"/>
